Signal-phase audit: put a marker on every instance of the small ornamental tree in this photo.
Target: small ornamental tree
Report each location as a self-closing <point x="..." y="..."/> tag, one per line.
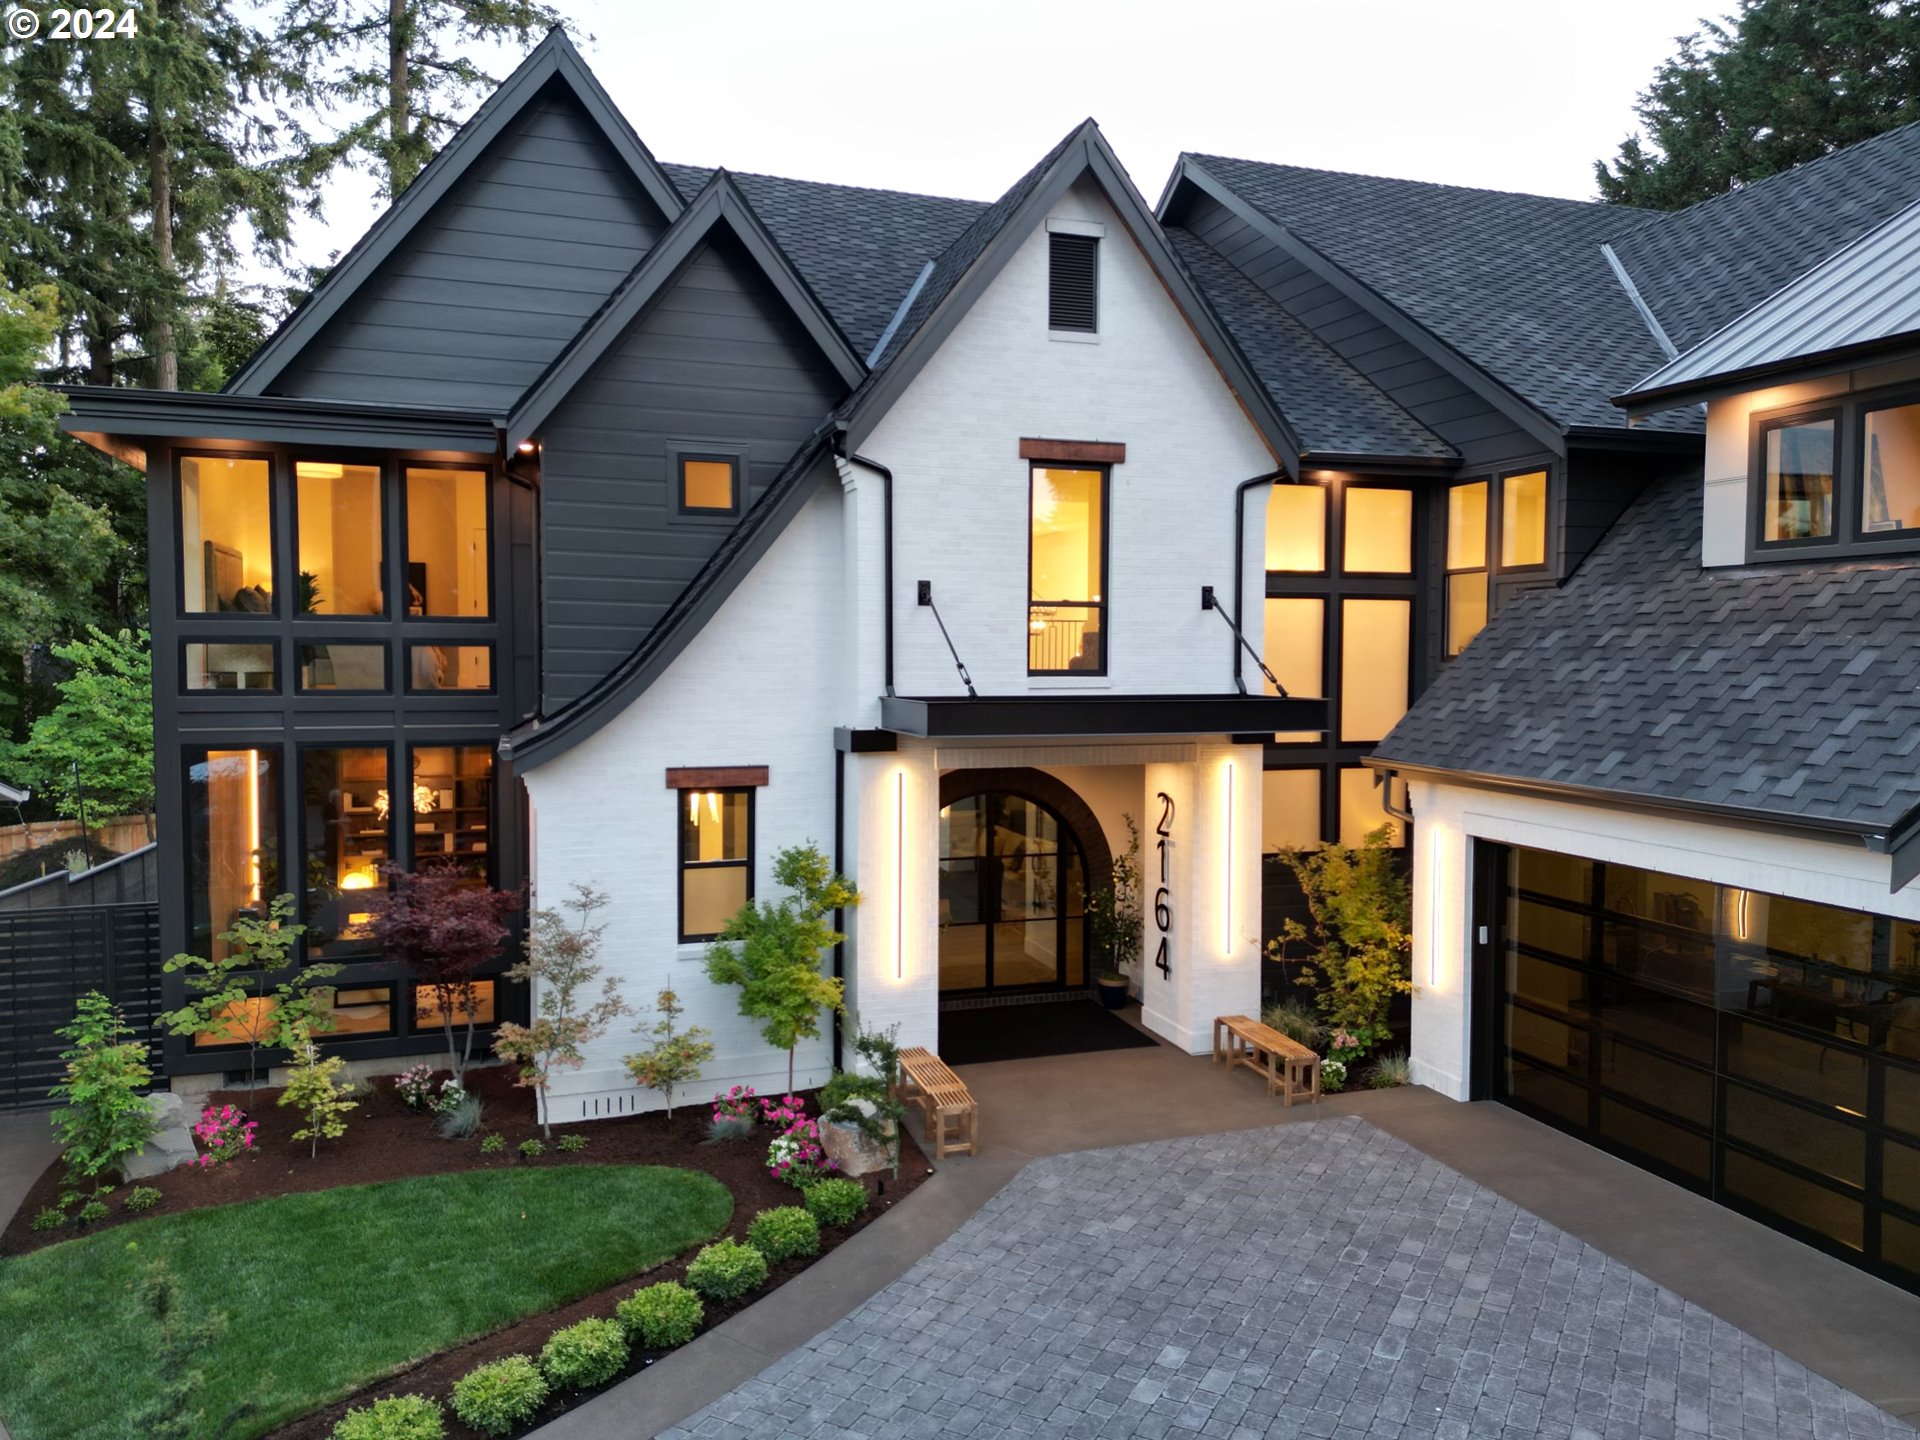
<point x="238" y="995"/>
<point x="321" y="1096"/>
<point x="104" y="1116"/>
<point x="772" y="950"/>
<point x="444" y="928"/>
<point x="562" y="963"/>
<point x="673" y="1058"/>
<point x="1114" y="916"/>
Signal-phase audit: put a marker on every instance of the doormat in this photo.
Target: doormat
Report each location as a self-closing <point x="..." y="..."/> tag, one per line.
<point x="1022" y="1032"/>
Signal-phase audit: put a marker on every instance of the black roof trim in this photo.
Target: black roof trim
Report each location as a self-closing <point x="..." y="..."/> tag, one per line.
<point x="720" y="202"/>
<point x="1007" y="223"/>
<point x="1795" y="367"/>
<point x="970" y="717"/>
<point x="1522" y="412"/>
<point x="554" y="58"/>
<point x="540" y="740"/>
<point x="188" y="414"/>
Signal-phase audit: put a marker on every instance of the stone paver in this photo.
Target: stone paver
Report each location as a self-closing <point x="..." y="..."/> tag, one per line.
<point x="1319" y="1280"/>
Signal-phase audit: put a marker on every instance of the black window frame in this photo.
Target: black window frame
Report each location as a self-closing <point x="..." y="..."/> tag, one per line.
<point x="737" y="468"/>
<point x="409" y="645"/>
<point x="399" y="810"/>
<point x="301" y="642"/>
<point x="1070" y="241"/>
<point x="385" y="469"/>
<point x="412" y="741"/>
<point x="403" y="470"/>
<point x="1497" y="526"/>
<point x="1105" y="604"/>
<point x="276" y="534"/>
<point x="1849" y="540"/>
<point x="274" y="824"/>
<point x="682" y="864"/>
<point x="268" y="642"/>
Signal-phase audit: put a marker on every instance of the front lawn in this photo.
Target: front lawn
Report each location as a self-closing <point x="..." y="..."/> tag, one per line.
<point x="323" y="1292"/>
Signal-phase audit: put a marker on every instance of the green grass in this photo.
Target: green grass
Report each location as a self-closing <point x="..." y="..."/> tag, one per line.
<point x="325" y="1292"/>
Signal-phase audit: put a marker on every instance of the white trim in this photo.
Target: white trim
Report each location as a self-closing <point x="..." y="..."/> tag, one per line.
<point x="1062" y="225"/>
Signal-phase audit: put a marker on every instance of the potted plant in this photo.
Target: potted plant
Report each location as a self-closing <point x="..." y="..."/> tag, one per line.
<point x="1116" y="924"/>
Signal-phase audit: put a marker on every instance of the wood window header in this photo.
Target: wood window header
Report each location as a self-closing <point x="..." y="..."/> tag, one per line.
<point x="715" y="777"/>
<point x="1074" y="452"/>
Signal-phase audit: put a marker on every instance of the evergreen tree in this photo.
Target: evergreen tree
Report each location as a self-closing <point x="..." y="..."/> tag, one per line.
<point x="1775" y="84"/>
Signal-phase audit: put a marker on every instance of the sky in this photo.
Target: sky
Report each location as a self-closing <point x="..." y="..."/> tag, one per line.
<point x="960" y="100"/>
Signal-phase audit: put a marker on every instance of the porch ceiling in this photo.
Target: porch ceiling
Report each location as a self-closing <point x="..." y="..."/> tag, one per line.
<point x="980" y="717"/>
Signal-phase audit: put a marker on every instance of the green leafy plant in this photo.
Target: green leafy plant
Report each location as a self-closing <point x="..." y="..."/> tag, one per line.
<point x="1388" y="1071"/>
<point x="499" y="1397"/>
<point x="836" y="1202"/>
<point x="673" y="1059"/>
<point x="571" y="1144"/>
<point x="1333" y="1075"/>
<point x="315" y="1089"/>
<point x="1296" y="1022"/>
<point x="444" y="929"/>
<point x="92" y="1213"/>
<point x="531" y="1149"/>
<point x="784" y="1233"/>
<point x="1359" y="941"/>
<point x="394" y="1417"/>
<point x="771" y="950"/>
<point x="584" y="1355"/>
<point x="727" y="1270"/>
<point x="237" y="994"/>
<point x="94" y="750"/>
<point x="494" y="1144"/>
<point x="661" y="1316"/>
<point x="870" y="1101"/>
<point x="103" y="1117"/>
<point x="141" y="1197"/>
<point x="460" y="1118"/>
<point x="1116" y="923"/>
<point x="183" y="1350"/>
<point x="48" y="1218"/>
<point x="561" y="964"/>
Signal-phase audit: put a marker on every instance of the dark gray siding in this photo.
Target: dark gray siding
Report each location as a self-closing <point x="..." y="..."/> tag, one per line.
<point x="717" y="360"/>
<point x="1601" y="484"/>
<point x="1437" y="399"/>
<point x="496" y="278"/>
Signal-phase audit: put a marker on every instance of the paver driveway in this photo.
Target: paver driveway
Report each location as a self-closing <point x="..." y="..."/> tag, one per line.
<point x="1318" y="1279"/>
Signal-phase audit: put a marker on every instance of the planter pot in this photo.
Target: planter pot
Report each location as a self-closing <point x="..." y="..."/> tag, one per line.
<point x="1112" y="990"/>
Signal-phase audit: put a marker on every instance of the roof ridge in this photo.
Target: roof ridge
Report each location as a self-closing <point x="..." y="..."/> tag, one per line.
<point x="826" y="184"/>
<point x="1778" y="176"/>
<point x="1203" y="157"/>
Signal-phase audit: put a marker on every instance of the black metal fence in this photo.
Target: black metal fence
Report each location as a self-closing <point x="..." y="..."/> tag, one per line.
<point x="48" y="960"/>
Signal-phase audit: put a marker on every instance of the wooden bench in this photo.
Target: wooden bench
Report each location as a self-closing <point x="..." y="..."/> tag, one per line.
<point x="942" y="1096"/>
<point x="1290" y="1068"/>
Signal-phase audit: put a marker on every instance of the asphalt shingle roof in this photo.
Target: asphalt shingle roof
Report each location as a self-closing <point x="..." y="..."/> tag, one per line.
<point x="1702" y="267"/>
<point x="1515" y="283"/>
<point x="860" y="250"/>
<point x="1789" y="688"/>
<point x="1332" y="407"/>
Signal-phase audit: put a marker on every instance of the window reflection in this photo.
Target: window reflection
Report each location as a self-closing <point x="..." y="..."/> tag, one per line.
<point x="1891" y="495"/>
<point x="233" y="851"/>
<point x="1798" y="485"/>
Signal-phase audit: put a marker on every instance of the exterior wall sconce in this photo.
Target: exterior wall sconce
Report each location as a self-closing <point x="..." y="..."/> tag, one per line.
<point x="899" y="874"/>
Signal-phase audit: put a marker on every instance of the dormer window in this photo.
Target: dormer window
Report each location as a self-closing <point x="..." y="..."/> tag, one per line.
<point x="1839" y="478"/>
<point x="1073" y="283"/>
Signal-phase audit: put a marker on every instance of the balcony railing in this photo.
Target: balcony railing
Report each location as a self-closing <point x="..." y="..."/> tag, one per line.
<point x="1065" y="638"/>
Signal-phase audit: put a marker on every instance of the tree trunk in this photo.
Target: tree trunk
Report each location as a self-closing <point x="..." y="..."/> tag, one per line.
<point x="399" y="97"/>
<point x="166" y="357"/>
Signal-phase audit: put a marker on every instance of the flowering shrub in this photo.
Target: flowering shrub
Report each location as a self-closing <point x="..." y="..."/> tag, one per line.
<point x="226" y="1132"/>
<point x="784" y="1111"/>
<point x="1333" y="1074"/>
<point x="414" y="1085"/>
<point x="739" y="1103"/>
<point x="451" y="1097"/>
<point x="796" y="1156"/>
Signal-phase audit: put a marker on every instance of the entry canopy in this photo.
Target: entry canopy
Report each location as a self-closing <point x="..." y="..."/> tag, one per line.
<point x="990" y="716"/>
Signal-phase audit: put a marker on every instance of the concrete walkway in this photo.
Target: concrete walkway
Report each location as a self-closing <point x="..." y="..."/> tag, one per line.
<point x="1858" y="1332"/>
<point x="26" y="1149"/>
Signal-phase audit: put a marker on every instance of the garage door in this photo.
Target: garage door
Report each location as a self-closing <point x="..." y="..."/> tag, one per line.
<point x="1762" y="1050"/>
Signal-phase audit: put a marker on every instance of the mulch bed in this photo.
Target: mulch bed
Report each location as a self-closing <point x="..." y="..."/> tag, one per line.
<point x="387" y="1141"/>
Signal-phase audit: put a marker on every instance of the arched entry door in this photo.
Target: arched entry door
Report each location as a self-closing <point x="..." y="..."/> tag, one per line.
<point x="1013" y="892"/>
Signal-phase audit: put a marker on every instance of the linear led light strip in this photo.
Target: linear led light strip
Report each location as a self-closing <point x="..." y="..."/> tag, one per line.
<point x="1226" y="923"/>
<point x="899" y="874"/>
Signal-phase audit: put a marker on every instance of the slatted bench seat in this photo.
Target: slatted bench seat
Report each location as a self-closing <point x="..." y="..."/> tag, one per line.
<point x="926" y="1081"/>
<point x="1290" y="1068"/>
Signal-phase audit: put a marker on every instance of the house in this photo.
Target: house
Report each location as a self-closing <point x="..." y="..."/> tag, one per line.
<point x="612" y="521"/>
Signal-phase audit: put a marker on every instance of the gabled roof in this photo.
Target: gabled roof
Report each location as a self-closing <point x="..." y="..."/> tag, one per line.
<point x="1701" y="267"/>
<point x="1512" y="293"/>
<point x="719" y="204"/>
<point x="553" y="60"/>
<point x="1858" y="300"/>
<point x="1790" y="692"/>
<point x="1337" y="412"/>
<point x="970" y="264"/>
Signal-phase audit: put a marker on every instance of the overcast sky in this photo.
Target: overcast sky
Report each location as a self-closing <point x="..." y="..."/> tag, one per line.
<point x="960" y="99"/>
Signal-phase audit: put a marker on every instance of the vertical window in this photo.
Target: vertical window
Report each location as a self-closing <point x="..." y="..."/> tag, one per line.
<point x="1067" y="563"/>
<point x="1797" y="491"/>
<point x="1073" y="283"/>
<point x="341" y="539"/>
<point x="1376" y="653"/>
<point x="346" y="834"/>
<point x="1290" y="810"/>
<point x="451" y="800"/>
<point x="233" y="841"/>
<point x="447" y="545"/>
<point x="709" y="485"/>
<point x="716" y="859"/>
<point x="1295" y="650"/>
<point x="1297" y="529"/>
<point x="1379" y="531"/>
<point x="226" y="536"/>
<point x="1890" y="494"/>
<point x="1523" y="519"/>
<point x="1466" y="564"/>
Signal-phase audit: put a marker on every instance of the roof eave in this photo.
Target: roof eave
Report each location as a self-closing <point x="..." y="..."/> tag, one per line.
<point x="1695" y="390"/>
<point x="120" y="412"/>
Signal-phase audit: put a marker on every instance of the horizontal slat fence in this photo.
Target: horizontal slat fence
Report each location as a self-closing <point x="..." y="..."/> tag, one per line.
<point x="48" y="960"/>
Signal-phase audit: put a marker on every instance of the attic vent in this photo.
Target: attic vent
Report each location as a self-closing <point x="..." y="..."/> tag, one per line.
<point x="1073" y="283"/>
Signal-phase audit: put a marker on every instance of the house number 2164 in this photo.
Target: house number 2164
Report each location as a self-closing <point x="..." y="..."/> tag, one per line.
<point x="1163" y="897"/>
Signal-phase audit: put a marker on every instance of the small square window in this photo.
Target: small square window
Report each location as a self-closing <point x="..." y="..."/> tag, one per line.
<point x="709" y="485"/>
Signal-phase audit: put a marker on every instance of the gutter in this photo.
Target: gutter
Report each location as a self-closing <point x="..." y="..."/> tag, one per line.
<point x="1728" y="382"/>
<point x="1240" y="559"/>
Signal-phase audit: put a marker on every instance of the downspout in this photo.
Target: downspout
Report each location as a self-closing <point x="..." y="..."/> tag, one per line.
<point x="886" y="522"/>
<point x="1240" y="561"/>
<point x="1384" y="778"/>
<point x="839" y="916"/>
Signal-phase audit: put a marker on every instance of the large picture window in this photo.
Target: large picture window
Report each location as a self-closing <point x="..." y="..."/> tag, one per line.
<point x="716" y="859"/>
<point x="341" y="535"/>
<point x="1843" y="478"/>
<point x="447" y="543"/>
<point x="233" y="841"/>
<point x="451" y="800"/>
<point x="346" y="824"/>
<point x="226" y="536"/>
<point x="1067" y="572"/>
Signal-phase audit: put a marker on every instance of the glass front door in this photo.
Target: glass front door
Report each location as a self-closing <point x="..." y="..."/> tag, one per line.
<point x="1012" y="897"/>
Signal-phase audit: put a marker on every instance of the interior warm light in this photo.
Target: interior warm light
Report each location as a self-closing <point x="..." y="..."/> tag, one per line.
<point x="899" y="874"/>
<point x="693" y="807"/>
<point x="713" y="805"/>
<point x="253" y="825"/>
<point x="1740" y="929"/>
<point x="357" y="880"/>
<point x="424" y="799"/>
<point x="1226" y="909"/>
<point x="381" y="804"/>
